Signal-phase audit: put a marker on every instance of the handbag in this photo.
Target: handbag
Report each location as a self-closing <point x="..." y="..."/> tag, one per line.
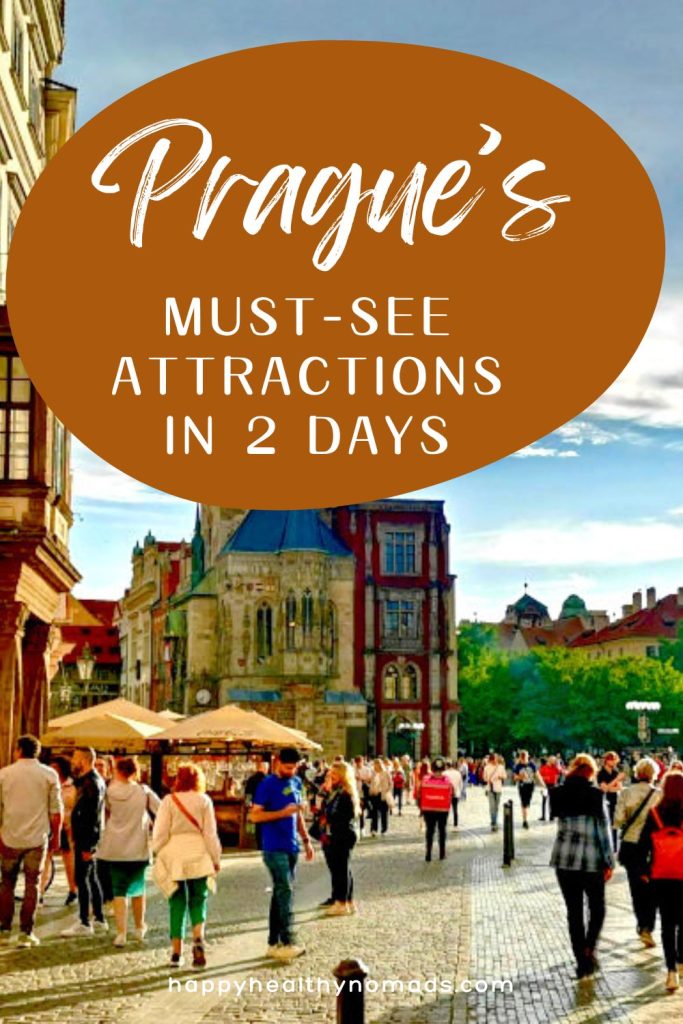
<point x="626" y="856"/>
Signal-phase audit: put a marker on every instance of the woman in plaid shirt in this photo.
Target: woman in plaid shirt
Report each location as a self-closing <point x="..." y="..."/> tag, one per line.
<point x="583" y="857"/>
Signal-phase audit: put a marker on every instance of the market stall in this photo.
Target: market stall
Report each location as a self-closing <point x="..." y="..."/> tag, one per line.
<point x="114" y="727"/>
<point x="231" y="744"/>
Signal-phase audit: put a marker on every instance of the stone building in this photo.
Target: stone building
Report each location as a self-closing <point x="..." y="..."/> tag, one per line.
<point x="339" y="622"/>
<point x="158" y="568"/>
<point x="36" y="118"/>
<point x="404" y="653"/>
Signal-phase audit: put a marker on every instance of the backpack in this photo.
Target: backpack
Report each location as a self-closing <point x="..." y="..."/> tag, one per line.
<point x="667" y="851"/>
<point x="435" y="794"/>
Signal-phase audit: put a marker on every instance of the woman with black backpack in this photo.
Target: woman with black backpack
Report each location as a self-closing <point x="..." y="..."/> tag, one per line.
<point x="662" y="843"/>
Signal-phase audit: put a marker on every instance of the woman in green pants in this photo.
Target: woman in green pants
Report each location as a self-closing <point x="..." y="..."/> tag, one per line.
<point x="188" y="851"/>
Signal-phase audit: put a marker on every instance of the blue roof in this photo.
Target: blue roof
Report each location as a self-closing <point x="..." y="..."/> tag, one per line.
<point x="275" y="531"/>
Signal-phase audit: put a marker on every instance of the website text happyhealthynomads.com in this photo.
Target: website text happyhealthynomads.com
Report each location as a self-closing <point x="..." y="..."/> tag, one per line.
<point x="237" y="988"/>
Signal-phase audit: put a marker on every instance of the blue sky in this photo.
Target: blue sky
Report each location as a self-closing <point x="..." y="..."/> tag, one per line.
<point x="595" y="508"/>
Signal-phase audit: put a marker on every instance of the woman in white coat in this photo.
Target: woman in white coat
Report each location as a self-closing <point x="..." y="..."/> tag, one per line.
<point x="185" y="840"/>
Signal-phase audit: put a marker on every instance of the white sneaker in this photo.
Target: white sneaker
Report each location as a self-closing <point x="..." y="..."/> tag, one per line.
<point x="77" y="930"/>
<point x="671" y="981"/>
<point x="120" y="940"/>
<point x="139" y="933"/>
<point x="27" y="939"/>
<point x="100" y="927"/>
<point x="289" y="952"/>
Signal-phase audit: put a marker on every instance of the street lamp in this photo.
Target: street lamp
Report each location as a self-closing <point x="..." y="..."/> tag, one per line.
<point x="85" y="665"/>
<point x="643" y="707"/>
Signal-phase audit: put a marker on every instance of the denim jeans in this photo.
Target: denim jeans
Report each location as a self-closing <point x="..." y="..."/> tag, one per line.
<point x="282" y="867"/>
<point x="494" y="804"/>
<point x="89" y="891"/>
<point x="12" y="860"/>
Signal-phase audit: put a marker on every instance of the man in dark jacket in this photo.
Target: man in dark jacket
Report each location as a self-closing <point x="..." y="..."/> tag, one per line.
<point x="86" y="826"/>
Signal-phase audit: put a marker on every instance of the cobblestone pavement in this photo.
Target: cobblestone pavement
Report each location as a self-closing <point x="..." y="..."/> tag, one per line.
<point x="464" y="919"/>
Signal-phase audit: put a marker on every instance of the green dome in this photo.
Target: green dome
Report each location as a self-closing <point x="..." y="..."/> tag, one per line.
<point x="574" y="605"/>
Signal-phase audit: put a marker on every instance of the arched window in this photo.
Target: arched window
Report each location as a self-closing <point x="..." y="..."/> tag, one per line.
<point x="307" y="613"/>
<point x="409" y="687"/>
<point x="290" y="626"/>
<point x="264" y="632"/>
<point x="332" y="631"/>
<point x="391" y="680"/>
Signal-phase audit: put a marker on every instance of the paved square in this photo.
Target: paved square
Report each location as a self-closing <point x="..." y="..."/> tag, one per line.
<point x="465" y="919"/>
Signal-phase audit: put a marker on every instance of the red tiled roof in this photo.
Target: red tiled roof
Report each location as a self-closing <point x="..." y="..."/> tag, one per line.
<point x="103" y="642"/>
<point x="101" y="609"/>
<point x="658" y="622"/>
<point x="560" y="634"/>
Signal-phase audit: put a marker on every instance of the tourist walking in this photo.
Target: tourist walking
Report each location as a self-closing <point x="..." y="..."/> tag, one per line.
<point x="398" y="780"/>
<point x="662" y="843"/>
<point x="610" y="781"/>
<point x="62" y="766"/>
<point x="380" y="795"/>
<point x="583" y="858"/>
<point x="338" y="835"/>
<point x="30" y="820"/>
<point x="550" y="774"/>
<point x="129" y="811"/>
<point x="278" y="808"/>
<point x="454" y="775"/>
<point x="87" y="818"/>
<point x="188" y="858"/>
<point x="493" y="778"/>
<point x="436" y="796"/>
<point x="633" y="805"/>
<point x="525" y="774"/>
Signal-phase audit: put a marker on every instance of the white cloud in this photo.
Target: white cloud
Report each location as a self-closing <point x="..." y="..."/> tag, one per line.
<point x="96" y="481"/>
<point x="676" y="511"/>
<point x="539" y="452"/>
<point x="575" y="544"/>
<point x="582" y="431"/>
<point x="650" y="389"/>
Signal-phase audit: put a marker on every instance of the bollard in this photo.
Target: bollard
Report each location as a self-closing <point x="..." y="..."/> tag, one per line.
<point x="508" y="835"/>
<point x="351" y="997"/>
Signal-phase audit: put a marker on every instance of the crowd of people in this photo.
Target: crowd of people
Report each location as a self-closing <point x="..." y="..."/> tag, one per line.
<point x="109" y="827"/>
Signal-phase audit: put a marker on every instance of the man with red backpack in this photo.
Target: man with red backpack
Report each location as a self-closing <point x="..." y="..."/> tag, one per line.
<point x="435" y="796"/>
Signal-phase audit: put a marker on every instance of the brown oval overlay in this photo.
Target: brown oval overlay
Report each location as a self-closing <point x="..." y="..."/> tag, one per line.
<point x="417" y="261"/>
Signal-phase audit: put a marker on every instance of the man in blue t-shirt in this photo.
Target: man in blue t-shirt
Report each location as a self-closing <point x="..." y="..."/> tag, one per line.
<point x="278" y="809"/>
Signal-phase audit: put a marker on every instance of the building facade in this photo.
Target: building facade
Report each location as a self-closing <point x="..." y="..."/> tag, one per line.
<point x="639" y="632"/>
<point x="89" y="666"/>
<point x="339" y="622"/>
<point x="36" y="573"/>
<point x="405" y="661"/>
<point x="141" y="619"/>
